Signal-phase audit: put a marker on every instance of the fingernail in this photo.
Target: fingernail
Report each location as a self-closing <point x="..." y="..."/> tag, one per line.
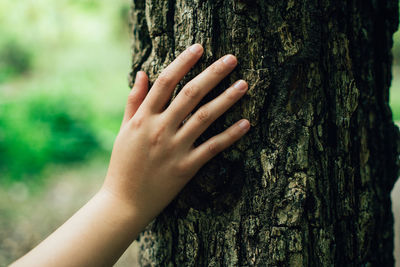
<point x="229" y="60"/>
<point x="244" y="125"/>
<point x="196" y="49"/>
<point x="240" y="85"/>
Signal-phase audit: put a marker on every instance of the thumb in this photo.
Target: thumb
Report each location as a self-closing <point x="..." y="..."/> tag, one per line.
<point x="136" y="96"/>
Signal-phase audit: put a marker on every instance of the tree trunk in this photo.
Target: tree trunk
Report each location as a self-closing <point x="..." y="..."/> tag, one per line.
<point x="310" y="184"/>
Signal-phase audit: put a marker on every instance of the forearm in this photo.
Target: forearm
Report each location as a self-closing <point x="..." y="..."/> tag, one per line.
<point x="153" y="157"/>
<point x="96" y="235"/>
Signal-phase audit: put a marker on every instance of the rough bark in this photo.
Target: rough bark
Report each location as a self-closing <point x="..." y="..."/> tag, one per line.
<point x="310" y="183"/>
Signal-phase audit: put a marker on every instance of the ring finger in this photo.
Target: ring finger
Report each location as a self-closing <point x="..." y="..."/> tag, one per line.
<point x="208" y="113"/>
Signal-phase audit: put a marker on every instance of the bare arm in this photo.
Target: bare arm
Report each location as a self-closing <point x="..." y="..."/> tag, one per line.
<point x="152" y="160"/>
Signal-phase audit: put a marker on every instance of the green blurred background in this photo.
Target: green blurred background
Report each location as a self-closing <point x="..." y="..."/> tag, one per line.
<point x="63" y="83"/>
<point x="63" y="78"/>
<point x="395" y="87"/>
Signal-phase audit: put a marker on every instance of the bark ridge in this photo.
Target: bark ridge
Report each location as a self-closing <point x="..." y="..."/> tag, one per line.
<point x="310" y="183"/>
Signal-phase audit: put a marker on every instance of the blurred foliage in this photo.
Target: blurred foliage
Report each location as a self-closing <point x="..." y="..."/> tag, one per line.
<point x="63" y="82"/>
<point x="15" y="59"/>
<point x="396" y="48"/>
<point x="395" y="86"/>
<point x="89" y="5"/>
<point x="40" y="129"/>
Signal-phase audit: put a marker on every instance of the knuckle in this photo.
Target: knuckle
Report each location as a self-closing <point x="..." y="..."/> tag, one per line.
<point x="213" y="148"/>
<point x="132" y="98"/>
<point x="157" y="135"/>
<point x="164" y="80"/>
<point x="203" y="115"/>
<point x="184" y="57"/>
<point x="137" y="121"/>
<point x="184" y="167"/>
<point x="231" y="135"/>
<point x="172" y="146"/>
<point x="230" y="94"/>
<point x="191" y="91"/>
<point x="218" y="68"/>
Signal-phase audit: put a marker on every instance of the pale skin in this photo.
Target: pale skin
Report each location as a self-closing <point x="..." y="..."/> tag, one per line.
<point x="153" y="158"/>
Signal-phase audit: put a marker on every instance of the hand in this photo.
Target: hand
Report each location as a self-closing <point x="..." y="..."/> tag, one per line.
<point x="152" y="159"/>
<point x="153" y="155"/>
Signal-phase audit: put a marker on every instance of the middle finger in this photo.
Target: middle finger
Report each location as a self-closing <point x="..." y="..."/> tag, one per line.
<point x="196" y="89"/>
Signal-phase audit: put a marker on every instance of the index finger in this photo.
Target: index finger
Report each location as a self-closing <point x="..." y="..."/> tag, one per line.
<point x="168" y="79"/>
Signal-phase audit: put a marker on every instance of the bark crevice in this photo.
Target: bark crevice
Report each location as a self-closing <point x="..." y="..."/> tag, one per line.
<point x="309" y="185"/>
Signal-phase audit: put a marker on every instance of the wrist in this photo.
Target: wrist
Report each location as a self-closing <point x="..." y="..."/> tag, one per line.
<point x="123" y="210"/>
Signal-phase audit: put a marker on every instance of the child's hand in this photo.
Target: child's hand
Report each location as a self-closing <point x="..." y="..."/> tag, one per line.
<point x="152" y="159"/>
<point x="153" y="156"/>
